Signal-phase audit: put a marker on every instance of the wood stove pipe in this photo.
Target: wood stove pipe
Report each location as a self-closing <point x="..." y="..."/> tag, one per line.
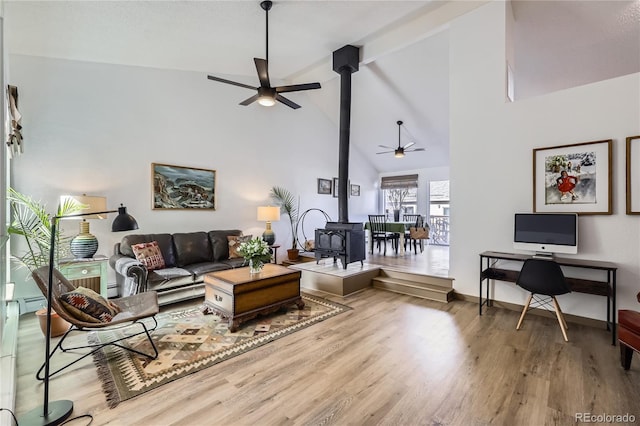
<point x="345" y="63"/>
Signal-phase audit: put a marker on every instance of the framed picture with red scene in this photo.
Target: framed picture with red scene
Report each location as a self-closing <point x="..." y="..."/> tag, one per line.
<point x="573" y="178"/>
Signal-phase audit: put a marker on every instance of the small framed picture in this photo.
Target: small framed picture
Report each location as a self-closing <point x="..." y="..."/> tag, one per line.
<point x="335" y="187"/>
<point x="355" y="190"/>
<point x="324" y="186"/>
<point x="573" y="178"/>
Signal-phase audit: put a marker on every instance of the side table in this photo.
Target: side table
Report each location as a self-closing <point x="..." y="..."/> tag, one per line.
<point x="90" y="273"/>
<point x="274" y="250"/>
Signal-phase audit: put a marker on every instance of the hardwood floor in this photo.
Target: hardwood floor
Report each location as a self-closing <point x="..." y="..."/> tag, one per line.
<point x="392" y="360"/>
<point x="434" y="260"/>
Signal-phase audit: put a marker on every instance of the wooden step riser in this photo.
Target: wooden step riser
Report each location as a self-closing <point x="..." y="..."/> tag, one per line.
<point x="421" y="285"/>
<point x="418" y="278"/>
<point x="425" y="293"/>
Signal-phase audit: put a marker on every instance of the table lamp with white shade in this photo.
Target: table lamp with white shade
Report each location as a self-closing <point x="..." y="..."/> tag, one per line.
<point x="269" y="214"/>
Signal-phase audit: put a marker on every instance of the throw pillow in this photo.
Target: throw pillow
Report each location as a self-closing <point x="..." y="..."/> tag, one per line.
<point x="88" y="306"/>
<point x="149" y="255"/>
<point x="234" y="244"/>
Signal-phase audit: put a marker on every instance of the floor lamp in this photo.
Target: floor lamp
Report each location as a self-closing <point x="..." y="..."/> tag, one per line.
<point x="55" y="412"/>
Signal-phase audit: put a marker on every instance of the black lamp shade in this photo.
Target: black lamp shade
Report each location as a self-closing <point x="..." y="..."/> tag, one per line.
<point x="124" y="221"/>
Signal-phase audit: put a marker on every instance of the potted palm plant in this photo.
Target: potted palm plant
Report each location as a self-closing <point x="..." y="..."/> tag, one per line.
<point x="288" y="206"/>
<point x="31" y="221"/>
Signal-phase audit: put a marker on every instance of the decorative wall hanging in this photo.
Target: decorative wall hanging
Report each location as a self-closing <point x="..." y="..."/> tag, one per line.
<point x="177" y="187"/>
<point x="15" y="143"/>
<point x="355" y="190"/>
<point x="573" y="178"/>
<point x="324" y="186"/>
<point x="633" y="175"/>
<point x="335" y="187"/>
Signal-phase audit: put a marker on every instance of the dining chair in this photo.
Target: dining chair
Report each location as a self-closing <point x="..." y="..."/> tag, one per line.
<point x="418" y="222"/>
<point x="413" y="218"/>
<point x="543" y="278"/>
<point x="378" y="225"/>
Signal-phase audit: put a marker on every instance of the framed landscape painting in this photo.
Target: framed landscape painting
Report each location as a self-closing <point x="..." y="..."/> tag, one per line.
<point x="573" y="178"/>
<point x="177" y="187"/>
<point x="633" y="175"/>
<point x="324" y="186"/>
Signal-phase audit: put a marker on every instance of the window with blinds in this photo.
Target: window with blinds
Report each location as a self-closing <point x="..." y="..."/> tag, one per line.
<point x="400" y="194"/>
<point x="399" y="182"/>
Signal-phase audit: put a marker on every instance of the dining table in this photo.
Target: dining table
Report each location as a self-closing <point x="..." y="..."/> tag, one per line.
<point x="396" y="227"/>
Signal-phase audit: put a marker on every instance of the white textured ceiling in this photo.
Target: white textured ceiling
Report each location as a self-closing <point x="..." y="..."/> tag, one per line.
<point x="404" y="48"/>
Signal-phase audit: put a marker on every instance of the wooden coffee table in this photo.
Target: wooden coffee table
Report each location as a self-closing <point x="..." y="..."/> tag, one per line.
<point x="240" y="296"/>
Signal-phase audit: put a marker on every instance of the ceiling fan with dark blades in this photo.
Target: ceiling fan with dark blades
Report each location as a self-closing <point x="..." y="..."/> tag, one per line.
<point x="400" y="150"/>
<point x="267" y="95"/>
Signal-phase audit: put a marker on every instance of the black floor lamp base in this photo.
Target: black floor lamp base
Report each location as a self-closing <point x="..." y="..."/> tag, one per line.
<point x="57" y="413"/>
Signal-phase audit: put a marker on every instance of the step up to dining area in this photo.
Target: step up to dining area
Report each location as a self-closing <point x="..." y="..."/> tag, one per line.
<point x="419" y="285"/>
<point x="329" y="277"/>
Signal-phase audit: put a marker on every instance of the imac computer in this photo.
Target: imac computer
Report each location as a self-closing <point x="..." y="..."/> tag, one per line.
<point x="546" y="233"/>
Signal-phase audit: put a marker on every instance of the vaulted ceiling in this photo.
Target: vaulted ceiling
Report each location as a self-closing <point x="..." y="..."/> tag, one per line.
<point x="404" y="73"/>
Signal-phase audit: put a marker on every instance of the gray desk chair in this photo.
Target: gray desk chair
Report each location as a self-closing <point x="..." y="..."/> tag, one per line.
<point x="545" y="280"/>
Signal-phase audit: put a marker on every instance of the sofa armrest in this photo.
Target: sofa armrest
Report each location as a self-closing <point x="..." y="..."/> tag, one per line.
<point x="131" y="275"/>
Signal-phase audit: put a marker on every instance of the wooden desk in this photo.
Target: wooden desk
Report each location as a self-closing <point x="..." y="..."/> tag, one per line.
<point x="579" y="285"/>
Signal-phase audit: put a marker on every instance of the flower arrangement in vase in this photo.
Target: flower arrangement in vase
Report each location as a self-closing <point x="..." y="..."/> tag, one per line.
<point x="256" y="252"/>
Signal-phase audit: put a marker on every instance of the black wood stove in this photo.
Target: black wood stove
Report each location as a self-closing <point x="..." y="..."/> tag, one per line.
<point x="341" y="240"/>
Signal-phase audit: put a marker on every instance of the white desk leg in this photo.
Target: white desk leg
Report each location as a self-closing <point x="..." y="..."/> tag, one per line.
<point x="370" y="241"/>
<point x="401" y="243"/>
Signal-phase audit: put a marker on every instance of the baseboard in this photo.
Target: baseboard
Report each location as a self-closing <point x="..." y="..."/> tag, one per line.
<point x="8" y="352"/>
<point x="575" y="319"/>
<point x="31" y="304"/>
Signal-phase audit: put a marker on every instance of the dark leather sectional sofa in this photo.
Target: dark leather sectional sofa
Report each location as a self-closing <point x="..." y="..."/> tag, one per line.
<point x="187" y="256"/>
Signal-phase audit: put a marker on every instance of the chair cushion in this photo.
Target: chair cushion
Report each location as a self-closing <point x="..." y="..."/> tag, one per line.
<point x="169" y="278"/>
<point x="234" y="244"/>
<point x="87" y="305"/>
<point x="149" y="255"/>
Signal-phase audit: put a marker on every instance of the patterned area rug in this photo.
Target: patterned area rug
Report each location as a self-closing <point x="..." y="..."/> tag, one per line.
<point x="189" y="341"/>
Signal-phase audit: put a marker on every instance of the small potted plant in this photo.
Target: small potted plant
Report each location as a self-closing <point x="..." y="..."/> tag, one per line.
<point x="288" y="206"/>
<point x="256" y="253"/>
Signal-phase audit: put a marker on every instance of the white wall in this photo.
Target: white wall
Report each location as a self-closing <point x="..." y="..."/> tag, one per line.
<point x="491" y="160"/>
<point x="95" y="129"/>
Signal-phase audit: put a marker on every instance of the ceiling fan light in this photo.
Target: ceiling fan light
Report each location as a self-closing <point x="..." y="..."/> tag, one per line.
<point x="266" y="100"/>
<point x="399" y="154"/>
